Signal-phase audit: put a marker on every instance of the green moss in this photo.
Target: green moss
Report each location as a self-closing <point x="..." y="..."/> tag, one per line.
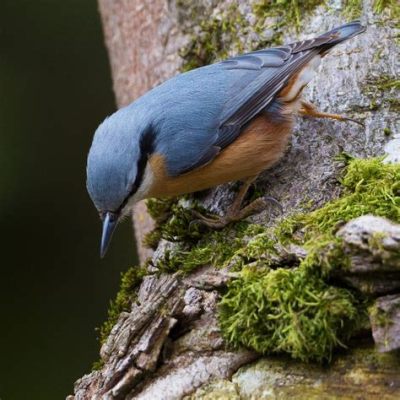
<point x="394" y="104"/>
<point x="97" y="365"/>
<point x="387" y="131"/>
<point x="352" y="8"/>
<point x="260" y="246"/>
<point x="370" y="187"/>
<point x="381" y="319"/>
<point x="387" y="82"/>
<point x="289" y="11"/>
<point x="160" y="209"/>
<point x="152" y="239"/>
<point x="174" y="221"/>
<point x="130" y="281"/>
<point x="211" y="42"/>
<point x="325" y="257"/>
<point x="288" y="310"/>
<point x="383" y="91"/>
<point x="181" y="225"/>
<point x="228" y="30"/>
<point x="214" y="248"/>
<point x="392" y="6"/>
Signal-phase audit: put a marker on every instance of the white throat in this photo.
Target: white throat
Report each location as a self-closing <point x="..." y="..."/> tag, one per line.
<point x="142" y="192"/>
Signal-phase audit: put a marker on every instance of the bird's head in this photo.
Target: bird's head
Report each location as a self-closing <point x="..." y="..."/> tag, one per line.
<point x="115" y="169"/>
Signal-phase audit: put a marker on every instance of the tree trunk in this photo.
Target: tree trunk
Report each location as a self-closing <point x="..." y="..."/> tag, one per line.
<point x="169" y="344"/>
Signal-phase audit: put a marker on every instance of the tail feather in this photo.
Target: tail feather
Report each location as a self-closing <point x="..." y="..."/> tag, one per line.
<point x="331" y="38"/>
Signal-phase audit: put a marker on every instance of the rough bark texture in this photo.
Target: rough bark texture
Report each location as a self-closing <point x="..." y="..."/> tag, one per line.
<point x="374" y="247"/>
<point x="169" y="345"/>
<point x="360" y="374"/>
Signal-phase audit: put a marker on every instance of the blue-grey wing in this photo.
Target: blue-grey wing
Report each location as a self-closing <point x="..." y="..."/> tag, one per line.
<point x="277" y="66"/>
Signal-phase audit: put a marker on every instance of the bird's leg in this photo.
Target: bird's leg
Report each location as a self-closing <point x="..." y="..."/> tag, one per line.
<point x="234" y="212"/>
<point x="309" y="110"/>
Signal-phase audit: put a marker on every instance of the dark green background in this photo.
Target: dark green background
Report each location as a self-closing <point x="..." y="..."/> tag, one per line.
<point x="55" y="89"/>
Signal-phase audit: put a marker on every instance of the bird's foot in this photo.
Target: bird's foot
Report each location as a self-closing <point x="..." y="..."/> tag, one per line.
<point x="310" y="110"/>
<point x="235" y="214"/>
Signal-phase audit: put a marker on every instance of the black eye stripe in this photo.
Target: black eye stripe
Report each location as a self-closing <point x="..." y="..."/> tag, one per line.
<point x="146" y="145"/>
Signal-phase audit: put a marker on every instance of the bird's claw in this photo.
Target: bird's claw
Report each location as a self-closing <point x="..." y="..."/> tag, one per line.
<point x="218" y="222"/>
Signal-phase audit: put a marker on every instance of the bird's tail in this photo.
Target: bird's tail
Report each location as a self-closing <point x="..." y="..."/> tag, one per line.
<point x="329" y="39"/>
<point x="342" y="33"/>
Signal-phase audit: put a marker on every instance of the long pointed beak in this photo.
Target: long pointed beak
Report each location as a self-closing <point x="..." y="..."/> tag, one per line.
<point x="109" y="224"/>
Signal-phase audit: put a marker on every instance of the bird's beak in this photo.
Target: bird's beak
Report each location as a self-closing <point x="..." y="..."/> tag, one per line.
<point x="109" y="224"/>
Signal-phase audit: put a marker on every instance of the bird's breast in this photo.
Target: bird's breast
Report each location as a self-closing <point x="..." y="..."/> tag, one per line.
<point x="257" y="148"/>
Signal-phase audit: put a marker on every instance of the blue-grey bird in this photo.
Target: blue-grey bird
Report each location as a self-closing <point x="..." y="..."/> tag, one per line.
<point x="223" y="122"/>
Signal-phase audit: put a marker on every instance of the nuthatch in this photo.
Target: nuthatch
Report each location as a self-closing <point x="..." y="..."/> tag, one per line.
<point x="224" y="122"/>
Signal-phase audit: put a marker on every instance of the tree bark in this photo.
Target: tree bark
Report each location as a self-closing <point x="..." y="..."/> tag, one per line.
<point x="144" y="357"/>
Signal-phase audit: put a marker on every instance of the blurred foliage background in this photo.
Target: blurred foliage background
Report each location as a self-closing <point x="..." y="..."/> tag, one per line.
<point x="55" y="89"/>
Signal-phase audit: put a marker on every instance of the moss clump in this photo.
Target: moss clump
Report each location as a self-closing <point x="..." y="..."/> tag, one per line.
<point x="260" y="246"/>
<point x="387" y="131"/>
<point x="290" y="311"/>
<point x="392" y="6"/>
<point x="152" y="239"/>
<point x="352" y="8"/>
<point x="130" y="281"/>
<point x="214" y="248"/>
<point x="370" y="187"/>
<point x="174" y="221"/>
<point x="289" y="11"/>
<point x="160" y="209"/>
<point x="299" y="311"/>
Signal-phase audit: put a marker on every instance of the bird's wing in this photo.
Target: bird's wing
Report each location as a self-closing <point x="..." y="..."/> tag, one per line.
<point x="275" y="66"/>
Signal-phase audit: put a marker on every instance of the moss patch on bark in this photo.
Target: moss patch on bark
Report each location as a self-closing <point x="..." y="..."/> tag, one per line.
<point x="272" y="306"/>
<point x="232" y="29"/>
<point x="287" y="310"/>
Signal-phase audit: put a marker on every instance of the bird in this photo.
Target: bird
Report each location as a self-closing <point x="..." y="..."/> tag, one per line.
<point x="223" y="122"/>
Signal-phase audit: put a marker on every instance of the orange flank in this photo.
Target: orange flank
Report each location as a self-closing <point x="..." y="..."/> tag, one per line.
<point x="257" y="148"/>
